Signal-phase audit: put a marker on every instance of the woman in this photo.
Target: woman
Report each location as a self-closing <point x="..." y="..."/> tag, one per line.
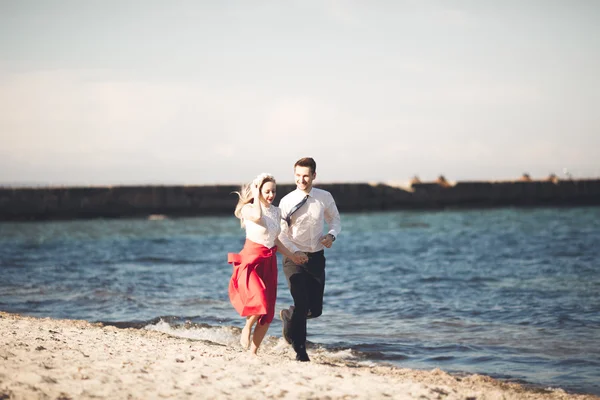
<point x="253" y="283"/>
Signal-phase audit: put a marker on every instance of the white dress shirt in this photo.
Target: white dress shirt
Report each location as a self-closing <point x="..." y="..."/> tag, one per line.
<point x="267" y="230"/>
<point x="308" y="223"/>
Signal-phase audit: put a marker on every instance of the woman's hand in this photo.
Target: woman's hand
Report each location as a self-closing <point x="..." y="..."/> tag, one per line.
<point x="255" y="191"/>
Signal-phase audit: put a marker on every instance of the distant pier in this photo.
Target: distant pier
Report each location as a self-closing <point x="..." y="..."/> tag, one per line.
<point x="52" y="203"/>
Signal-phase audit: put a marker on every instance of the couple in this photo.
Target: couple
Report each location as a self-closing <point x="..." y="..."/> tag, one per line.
<point x="295" y="229"/>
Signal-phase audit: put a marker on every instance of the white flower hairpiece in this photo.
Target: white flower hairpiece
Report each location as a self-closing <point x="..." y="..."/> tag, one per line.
<point x="261" y="177"/>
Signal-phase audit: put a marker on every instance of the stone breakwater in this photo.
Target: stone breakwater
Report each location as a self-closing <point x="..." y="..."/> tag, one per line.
<point x="47" y="203"/>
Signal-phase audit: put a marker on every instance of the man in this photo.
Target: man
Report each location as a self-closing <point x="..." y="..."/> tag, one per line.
<point x="304" y="214"/>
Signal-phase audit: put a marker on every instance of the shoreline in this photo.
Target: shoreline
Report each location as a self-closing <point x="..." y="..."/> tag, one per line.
<point x="73" y="359"/>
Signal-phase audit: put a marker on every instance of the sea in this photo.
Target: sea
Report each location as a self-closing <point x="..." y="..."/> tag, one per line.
<point x="513" y="293"/>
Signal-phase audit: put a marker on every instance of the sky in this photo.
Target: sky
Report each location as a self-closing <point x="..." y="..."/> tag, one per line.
<point x="216" y="92"/>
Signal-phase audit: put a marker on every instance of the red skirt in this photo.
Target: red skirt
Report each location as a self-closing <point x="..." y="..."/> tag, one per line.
<point x="253" y="283"/>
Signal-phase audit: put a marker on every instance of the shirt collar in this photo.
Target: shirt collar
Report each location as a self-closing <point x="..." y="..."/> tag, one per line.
<point x="310" y="194"/>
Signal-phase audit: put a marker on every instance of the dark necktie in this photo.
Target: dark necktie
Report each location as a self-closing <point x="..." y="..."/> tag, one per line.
<point x="288" y="219"/>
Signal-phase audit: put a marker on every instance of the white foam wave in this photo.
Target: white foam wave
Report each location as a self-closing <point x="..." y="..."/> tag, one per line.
<point x="345" y="354"/>
<point x="230" y="336"/>
<point x="219" y="334"/>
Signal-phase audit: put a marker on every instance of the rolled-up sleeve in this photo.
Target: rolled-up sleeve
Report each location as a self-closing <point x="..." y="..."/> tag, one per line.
<point x="332" y="217"/>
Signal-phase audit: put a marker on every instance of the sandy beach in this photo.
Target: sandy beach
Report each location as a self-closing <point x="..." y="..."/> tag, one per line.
<point x="43" y="358"/>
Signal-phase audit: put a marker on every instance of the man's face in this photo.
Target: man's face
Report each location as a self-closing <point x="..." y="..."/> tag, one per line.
<point x="304" y="178"/>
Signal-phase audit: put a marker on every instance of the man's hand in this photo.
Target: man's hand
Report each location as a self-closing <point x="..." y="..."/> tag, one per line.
<point x="327" y="240"/>
<point x="299" y="258"/>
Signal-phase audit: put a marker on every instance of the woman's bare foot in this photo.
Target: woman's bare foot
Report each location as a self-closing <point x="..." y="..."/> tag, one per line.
<point x="245" y="337"/>
<point x="247" y="331"/>
<point x="257" y="337"/>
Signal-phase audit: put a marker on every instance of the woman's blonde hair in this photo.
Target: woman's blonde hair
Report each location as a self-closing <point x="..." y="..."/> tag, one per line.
<point x="245" y="193"/>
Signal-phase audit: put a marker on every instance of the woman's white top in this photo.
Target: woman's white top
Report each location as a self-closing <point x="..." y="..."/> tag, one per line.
<point x="267" y="229"/>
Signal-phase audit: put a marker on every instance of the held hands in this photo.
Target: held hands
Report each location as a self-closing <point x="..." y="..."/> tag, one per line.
<point x="299" y="258"/>
<point x="327" y="240"/>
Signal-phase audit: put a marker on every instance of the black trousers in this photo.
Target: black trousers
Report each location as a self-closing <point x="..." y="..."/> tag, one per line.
<point x="307" y="284"/>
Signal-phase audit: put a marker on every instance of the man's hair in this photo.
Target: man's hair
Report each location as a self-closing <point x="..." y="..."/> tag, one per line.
<point x="307" y="162"/>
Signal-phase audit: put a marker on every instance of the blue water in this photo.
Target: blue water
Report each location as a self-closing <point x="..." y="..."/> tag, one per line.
<point x="511" y="293"/>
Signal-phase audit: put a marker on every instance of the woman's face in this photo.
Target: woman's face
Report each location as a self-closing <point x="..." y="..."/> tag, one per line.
<point x="268" y="191"/>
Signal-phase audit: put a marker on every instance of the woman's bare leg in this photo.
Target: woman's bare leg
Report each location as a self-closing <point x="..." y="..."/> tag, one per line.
<point x="259" y="334"/>
<point x="247" y="331"/>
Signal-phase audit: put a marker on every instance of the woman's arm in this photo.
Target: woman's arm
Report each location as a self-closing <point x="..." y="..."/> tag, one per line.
<point x="253" y="211"/>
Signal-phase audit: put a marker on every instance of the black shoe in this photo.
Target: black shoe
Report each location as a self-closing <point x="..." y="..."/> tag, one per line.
<point x="302" y="357"/>
<point x="286" y="318"/>
<point x="301" y="354"/>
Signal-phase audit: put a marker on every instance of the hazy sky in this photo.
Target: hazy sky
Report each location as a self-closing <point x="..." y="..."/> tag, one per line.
<point x="203" y="92"/>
